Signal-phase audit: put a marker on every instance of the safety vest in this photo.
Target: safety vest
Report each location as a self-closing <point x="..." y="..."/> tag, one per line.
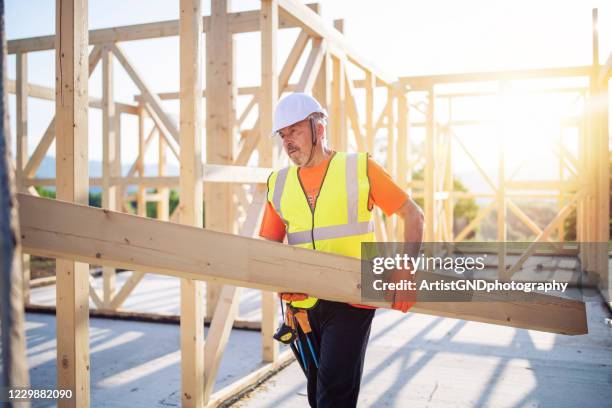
<point x="340" y="220"/>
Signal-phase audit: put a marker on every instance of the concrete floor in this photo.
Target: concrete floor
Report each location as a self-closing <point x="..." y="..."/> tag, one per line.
<point x="412" y="360"/>
<point x="424" y="361"/>
<point x="137" y="364"/>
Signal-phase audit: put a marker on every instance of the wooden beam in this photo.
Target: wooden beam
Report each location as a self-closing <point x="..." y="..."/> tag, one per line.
<point x="422" y="82"/>
<point x="22" y="118"/>
<point x="72" y="186"/>
<point x="220" y="123"/>
<point x="268" y="150"/>
<point x="110" y="145"/>
<point x="244" y="21"/>
<point x="190" y="200"/>
<point x="337" y="118"/>
<point x="353" y="114"/>
<point x="58" y="229"/>
<point x="218" y="334"/>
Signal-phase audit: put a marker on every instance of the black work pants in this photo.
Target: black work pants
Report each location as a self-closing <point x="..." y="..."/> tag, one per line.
<point x="339" y="338"/>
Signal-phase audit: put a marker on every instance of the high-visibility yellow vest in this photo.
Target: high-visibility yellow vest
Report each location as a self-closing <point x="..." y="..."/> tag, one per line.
<point x="340" y="220"/>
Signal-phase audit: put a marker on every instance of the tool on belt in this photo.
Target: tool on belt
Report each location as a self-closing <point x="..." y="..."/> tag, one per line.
<point x="287" y="332"/>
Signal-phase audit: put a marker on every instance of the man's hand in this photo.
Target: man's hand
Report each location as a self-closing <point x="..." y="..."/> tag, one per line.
<point x="401" y="299"/>
<point x="293" y="297"/>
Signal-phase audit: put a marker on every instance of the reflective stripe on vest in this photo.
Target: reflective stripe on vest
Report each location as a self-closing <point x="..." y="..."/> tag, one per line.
<point x="340" y="221"/>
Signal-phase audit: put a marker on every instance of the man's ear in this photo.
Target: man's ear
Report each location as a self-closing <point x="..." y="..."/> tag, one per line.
<point x="320" y="131"/>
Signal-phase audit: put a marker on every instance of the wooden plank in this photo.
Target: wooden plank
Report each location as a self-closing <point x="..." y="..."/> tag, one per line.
<point x="337" y="118"/>
<point x="353" y="114"/>
<point x="502" y="205"/>
<point x="190" y="190"/>
<point x="422" y="82"/>
<point x="429" y="187"/>
<point x="151" y="98"/>
<point x="21" y="108"/>
<point x="109" y="160"/>
<point x="163" y="205"/>
<point x="122" y="240"/>
<point x="220" y="124"/>
<point x="71" y="106"/>
<point x="141" y="195"/>
<point x="268" y="150"/>
<point x="48" y="94"/>
<point x="245" y="21"/>
<point x="218" y="334"/>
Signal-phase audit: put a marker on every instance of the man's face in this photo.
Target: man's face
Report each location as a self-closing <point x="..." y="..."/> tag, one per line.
<point x="297" y="141"/>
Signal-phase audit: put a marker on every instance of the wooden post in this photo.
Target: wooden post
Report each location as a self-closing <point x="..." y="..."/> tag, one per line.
<point x="22" y="118"/>
<point x="322" y="88"/>
<point x="221" y="95"/>
<point x="337" y="118"/>
<point x="109" y="158"/>
<point x="449" y="203"/>
<point x="163" y="205"/>
<point x="599" y="156"/>
<point x="14" y="371"/>
<point x="71" y="101"/>
<point x="501" y="189"/>
<point x="190" y="210"/>
<point x="267" y="103"/>
<point x="429" y="169"/>
<point x="22" y="149"/>
<point x="370" y="85"/>
<point x="402" y="151"/>
<point x="391" y="152"/>
<point x="141" y="195"/>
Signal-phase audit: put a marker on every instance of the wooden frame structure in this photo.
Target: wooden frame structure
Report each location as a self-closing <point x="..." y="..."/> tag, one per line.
<point x="328" y="73"/>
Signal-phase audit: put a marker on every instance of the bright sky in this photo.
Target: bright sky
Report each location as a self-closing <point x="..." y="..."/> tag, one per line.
<point x="401" y="37"/>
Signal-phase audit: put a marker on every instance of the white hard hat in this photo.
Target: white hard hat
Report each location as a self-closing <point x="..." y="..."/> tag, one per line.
<point x="294" y="108"/>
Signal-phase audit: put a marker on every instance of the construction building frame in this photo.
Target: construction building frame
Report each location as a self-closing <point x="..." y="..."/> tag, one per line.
<point x="235" y="187"/>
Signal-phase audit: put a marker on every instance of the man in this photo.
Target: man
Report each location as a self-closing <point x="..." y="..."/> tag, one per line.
<point x="325" y="203"/>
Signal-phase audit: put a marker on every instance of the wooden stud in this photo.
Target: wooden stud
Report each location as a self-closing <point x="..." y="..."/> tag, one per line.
<point x="337" y="118"/>
<point x="220" y="124"/>
<point x="501" y="193"/>
<point x="369" y="112"/>
<point x="22" y="118"/>
<point x="72" y="186"/>
<point x="268" y="151"/>
<point x="190" y="201"/>
<point x="141" y="201"/>
<point x="430" y="170"/>
<point x="109" y="160"/>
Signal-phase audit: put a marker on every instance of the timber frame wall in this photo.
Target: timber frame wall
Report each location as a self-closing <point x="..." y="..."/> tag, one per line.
<point x="235" y="192"/>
